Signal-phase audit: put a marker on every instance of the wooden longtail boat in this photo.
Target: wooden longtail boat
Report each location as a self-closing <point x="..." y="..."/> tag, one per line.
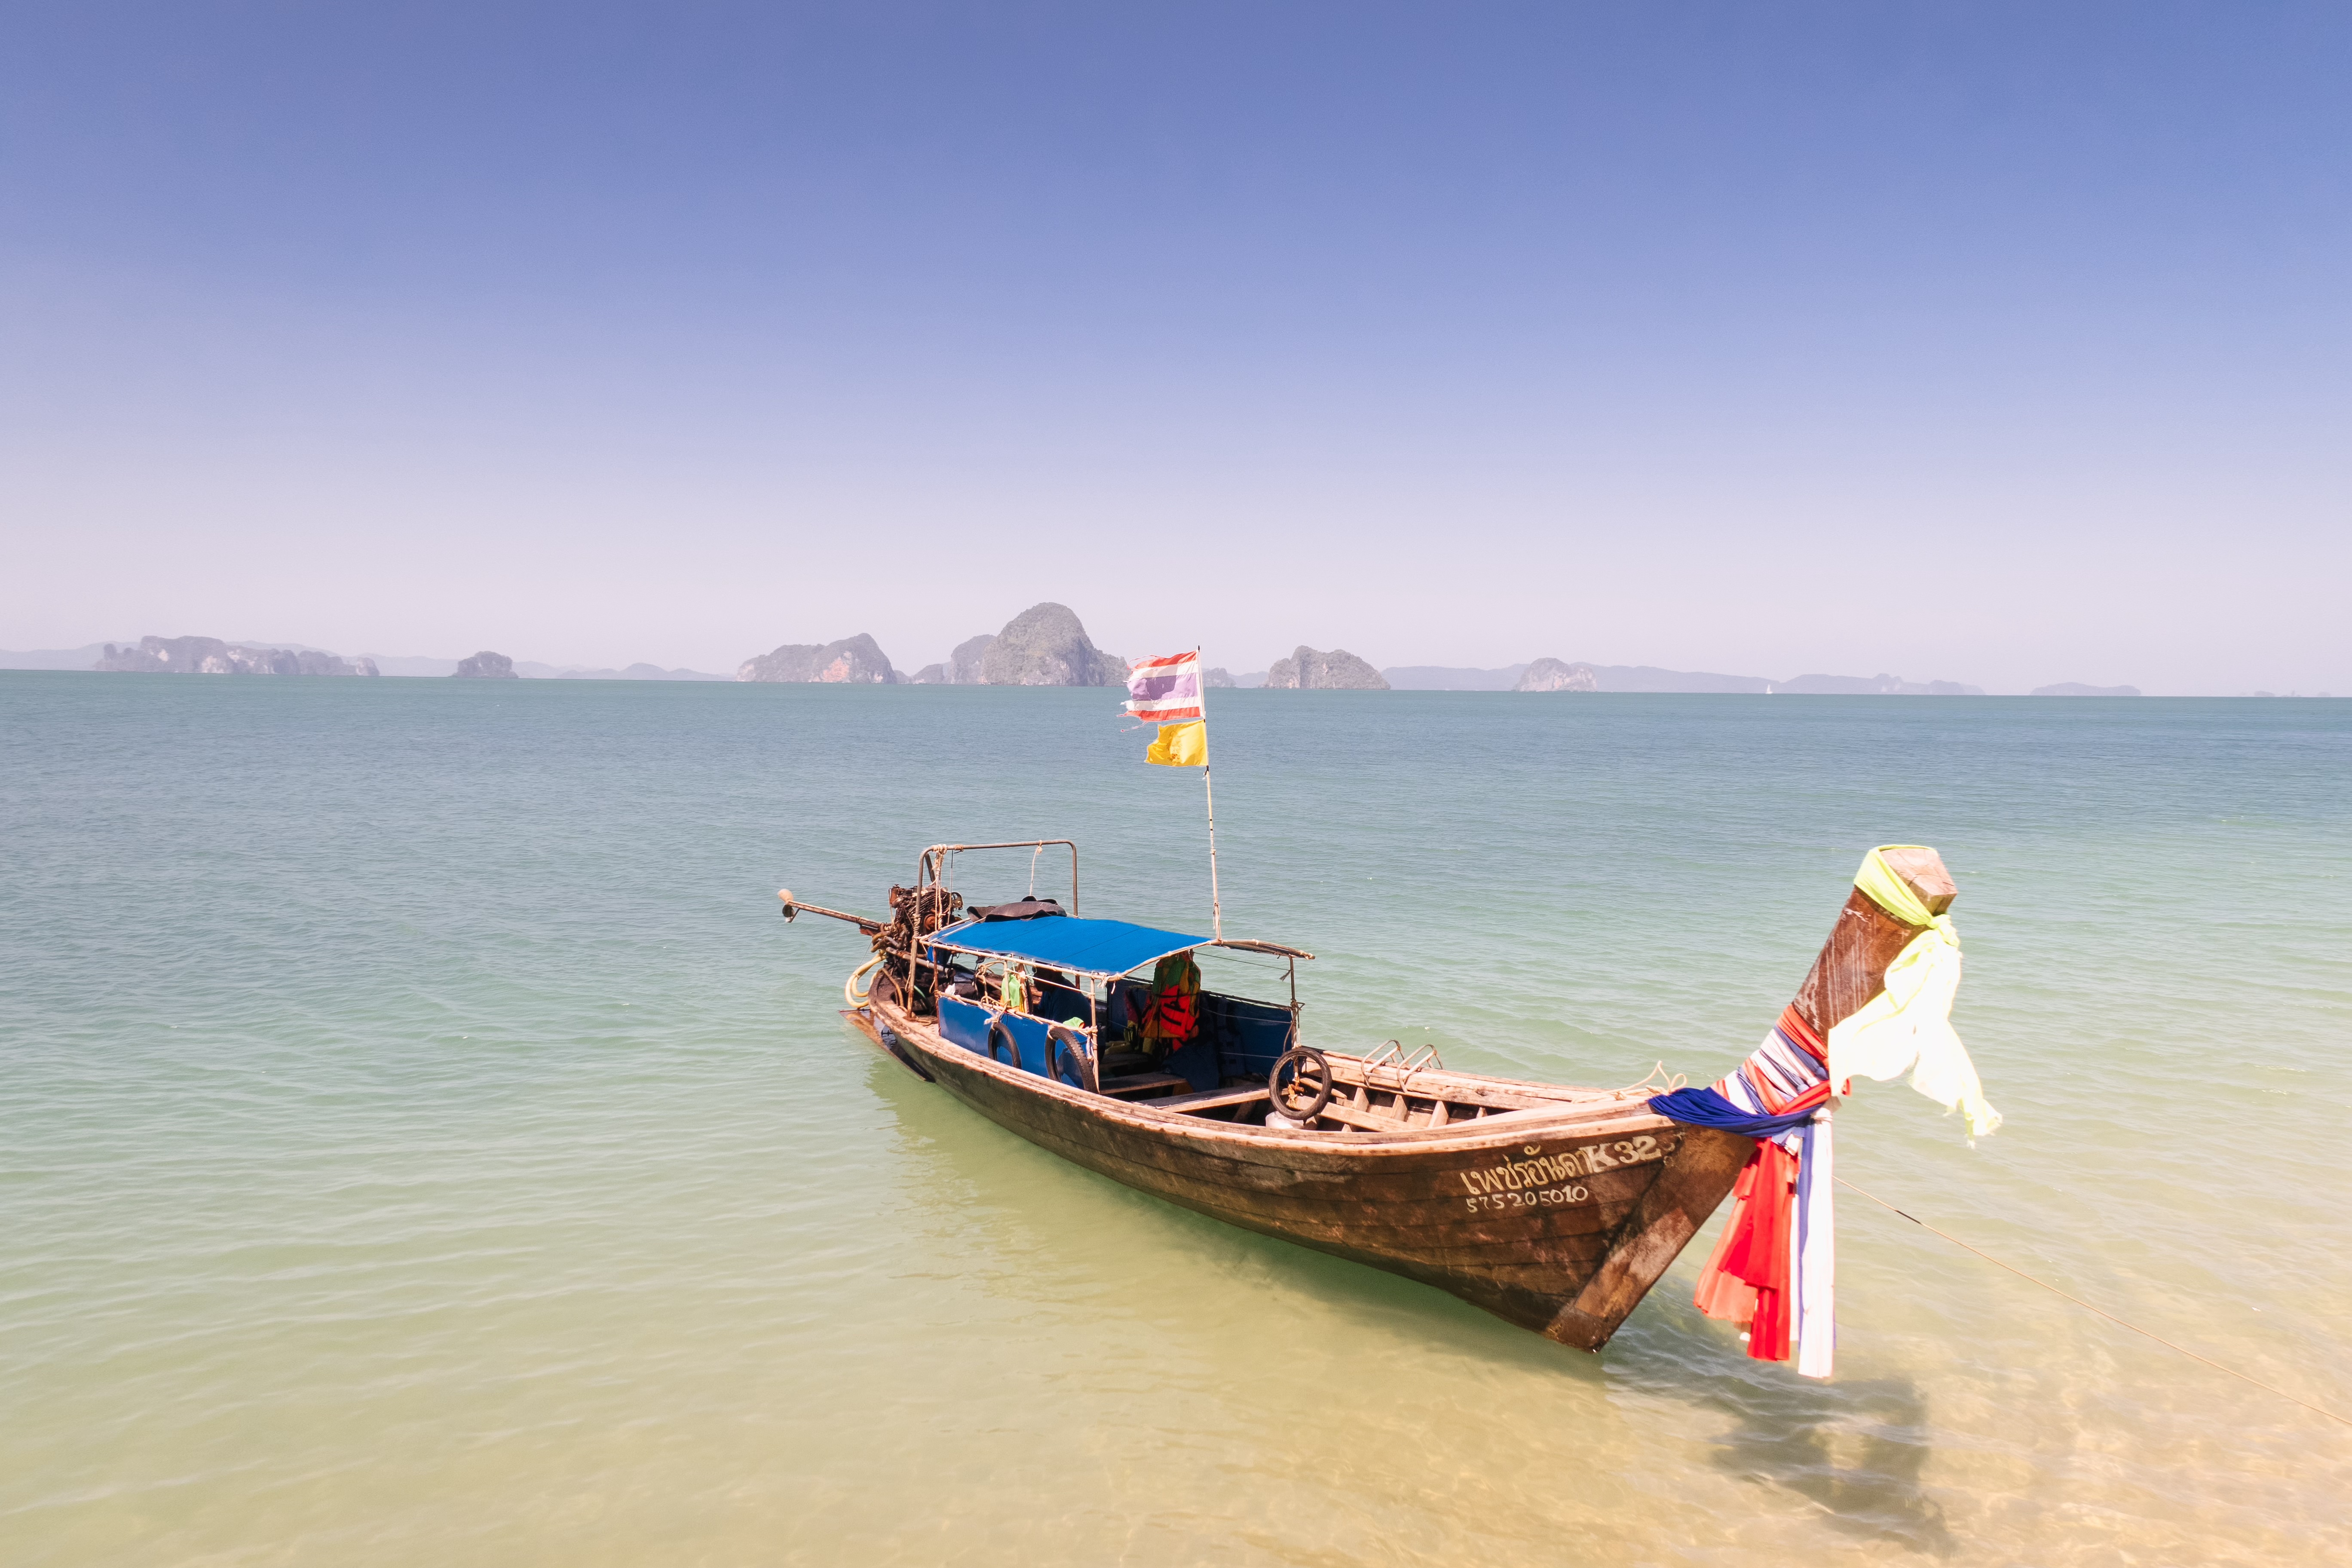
<point x="1554" y="1207"/>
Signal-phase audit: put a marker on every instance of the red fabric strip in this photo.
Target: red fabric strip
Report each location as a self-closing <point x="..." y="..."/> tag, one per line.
<point x="1755" y="1250"/>
<point x="1797" y="1029"/>
<point x="1721" y="1294"/>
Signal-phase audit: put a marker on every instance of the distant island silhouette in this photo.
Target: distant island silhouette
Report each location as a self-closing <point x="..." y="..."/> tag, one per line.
<point x="1044" y="645"/>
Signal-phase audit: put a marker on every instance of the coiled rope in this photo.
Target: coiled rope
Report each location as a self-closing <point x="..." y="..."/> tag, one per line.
<point x="2110" y="1317"/>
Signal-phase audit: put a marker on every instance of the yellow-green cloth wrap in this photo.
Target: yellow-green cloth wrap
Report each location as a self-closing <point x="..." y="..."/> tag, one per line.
<point x="1908" y="1024"/>
<point x="1892" y="894"/>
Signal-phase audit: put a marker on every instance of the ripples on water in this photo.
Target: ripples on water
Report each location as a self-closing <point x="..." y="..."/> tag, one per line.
<point x="422" y="1141"/>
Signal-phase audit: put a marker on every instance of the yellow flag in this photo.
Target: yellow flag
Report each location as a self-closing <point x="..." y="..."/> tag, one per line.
<point x="1180" y="746"/>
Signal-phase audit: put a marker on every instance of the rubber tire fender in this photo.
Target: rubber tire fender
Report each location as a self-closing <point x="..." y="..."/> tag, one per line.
<point x="1070" y="1043"/>
<point x="1305" y="1057"/>
<point x="998" y="1029"/>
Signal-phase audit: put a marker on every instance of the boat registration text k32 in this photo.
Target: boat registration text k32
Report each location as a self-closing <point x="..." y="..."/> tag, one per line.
<point x="1545" y="1178"/>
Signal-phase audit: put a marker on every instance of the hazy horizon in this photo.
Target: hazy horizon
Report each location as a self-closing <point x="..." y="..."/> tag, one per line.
<point x="2004" y="347"/>
<point x="532" y="667"/>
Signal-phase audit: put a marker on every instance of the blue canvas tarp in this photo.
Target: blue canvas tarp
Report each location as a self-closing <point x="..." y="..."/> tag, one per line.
<point x="1065" y="941"/>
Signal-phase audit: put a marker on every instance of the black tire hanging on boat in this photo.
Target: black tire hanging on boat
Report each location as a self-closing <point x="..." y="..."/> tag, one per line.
<point x="998" y="1029"/>
<point x="1069" y="1045"/>
<point x="1303" y="1057"/>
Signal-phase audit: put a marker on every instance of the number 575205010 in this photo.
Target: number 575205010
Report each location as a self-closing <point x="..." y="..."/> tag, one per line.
<point x="1540" y="1197"/>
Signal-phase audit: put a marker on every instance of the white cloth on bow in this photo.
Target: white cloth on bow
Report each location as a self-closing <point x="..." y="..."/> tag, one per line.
<point x="1908" y="1028"/>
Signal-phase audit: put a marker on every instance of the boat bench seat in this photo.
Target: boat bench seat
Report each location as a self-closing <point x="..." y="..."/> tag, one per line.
<point x="1210" y="1099"/>
<point x="1143" y="1083"/>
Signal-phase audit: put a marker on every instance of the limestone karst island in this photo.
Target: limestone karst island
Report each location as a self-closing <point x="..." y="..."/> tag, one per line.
<point x="1044" y="645"/>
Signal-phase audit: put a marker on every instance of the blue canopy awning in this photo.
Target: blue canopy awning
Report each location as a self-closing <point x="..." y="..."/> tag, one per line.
<point x="1065" y="941"/>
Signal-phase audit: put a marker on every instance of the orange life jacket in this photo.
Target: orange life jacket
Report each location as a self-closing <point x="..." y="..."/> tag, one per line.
<point x="1172" y="1016"/>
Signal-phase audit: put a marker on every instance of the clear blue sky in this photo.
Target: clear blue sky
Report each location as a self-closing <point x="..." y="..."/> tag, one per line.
<point x="2000" y="343"/>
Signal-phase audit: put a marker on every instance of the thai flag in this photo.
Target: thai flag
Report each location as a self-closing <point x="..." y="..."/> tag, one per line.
<point x="1165" y="690"/>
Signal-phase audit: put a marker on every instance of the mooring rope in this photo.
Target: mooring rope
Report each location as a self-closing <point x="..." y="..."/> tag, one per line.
<point x="1657" y="1080"/>
<point x="2110" y="1317"/>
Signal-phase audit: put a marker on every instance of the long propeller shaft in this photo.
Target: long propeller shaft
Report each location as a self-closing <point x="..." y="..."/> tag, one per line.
<point x="794" y="907"/>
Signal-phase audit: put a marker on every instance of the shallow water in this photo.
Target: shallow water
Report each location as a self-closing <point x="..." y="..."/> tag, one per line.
<point x="420" y="1141"/>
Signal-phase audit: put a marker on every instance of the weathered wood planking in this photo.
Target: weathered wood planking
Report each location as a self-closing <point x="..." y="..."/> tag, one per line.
<point x="1513" y="1217"/>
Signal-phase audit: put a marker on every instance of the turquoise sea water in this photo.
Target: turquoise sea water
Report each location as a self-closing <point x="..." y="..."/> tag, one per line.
<point x="420" y="1141"/>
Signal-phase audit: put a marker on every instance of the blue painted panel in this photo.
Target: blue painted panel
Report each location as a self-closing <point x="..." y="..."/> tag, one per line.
<point x="1238" y="1037"/>
<point x="965" y="1024"/>
<point x="1028" y="1040"/>
<point x="1196" y="1063"/>
<point x="1247" y="1035"/>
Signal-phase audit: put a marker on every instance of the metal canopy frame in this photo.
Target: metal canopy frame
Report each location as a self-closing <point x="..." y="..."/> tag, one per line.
<point x="931" y="867"/>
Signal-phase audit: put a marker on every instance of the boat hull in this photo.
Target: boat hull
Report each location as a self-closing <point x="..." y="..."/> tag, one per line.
<point x="1559" y="1220"/>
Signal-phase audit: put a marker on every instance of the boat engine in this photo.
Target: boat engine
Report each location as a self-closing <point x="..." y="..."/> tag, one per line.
<point x="915" y="913"/>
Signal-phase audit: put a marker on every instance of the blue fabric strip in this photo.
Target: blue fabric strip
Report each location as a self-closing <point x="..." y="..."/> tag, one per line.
<point x="1705" y="1108"/>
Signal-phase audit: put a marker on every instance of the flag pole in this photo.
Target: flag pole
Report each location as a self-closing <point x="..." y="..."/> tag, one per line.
<point x="1216" y="904"/>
